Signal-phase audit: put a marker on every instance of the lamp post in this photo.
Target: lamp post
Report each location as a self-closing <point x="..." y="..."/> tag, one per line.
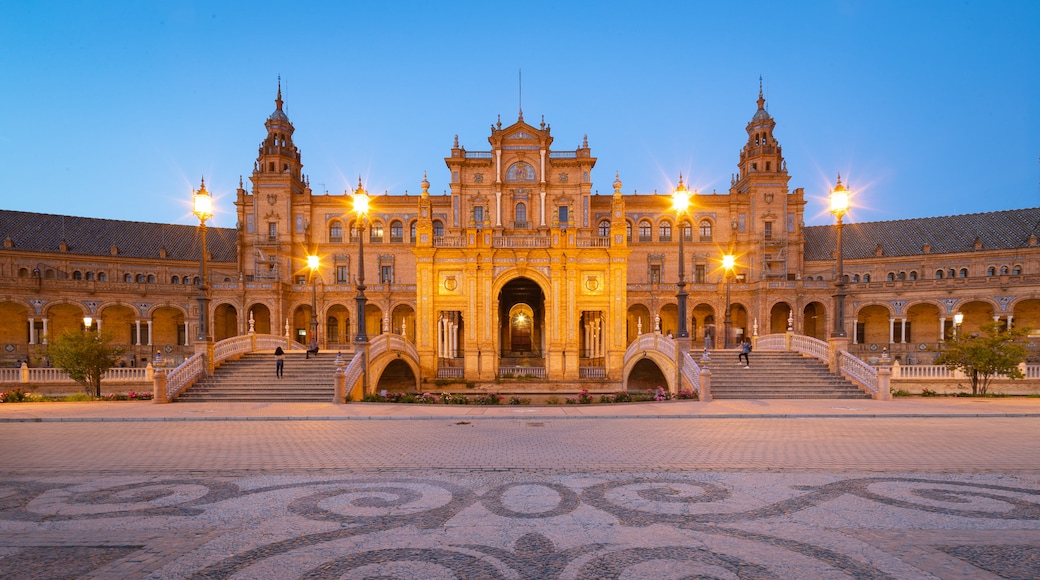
<point x="839" y="206"/>
<point x="958" y="318"/>
<point x="203" y="209"/>
<point x="681" y="204"/>
<point x="314" y="262"/>
<point x="88" y="322"/>
<point x="361" y="212"/>
<point x="728" y="263"/>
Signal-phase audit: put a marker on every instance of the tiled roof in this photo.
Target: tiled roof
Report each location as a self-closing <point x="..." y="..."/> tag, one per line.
<point x="997" y="230"/>
<point x="40" y="232"/>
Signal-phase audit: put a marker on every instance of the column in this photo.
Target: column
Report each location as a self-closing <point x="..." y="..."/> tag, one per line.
<point x="149" y="333"/>
<point x="32" y="330"/>
<point x="541" y="212"/>
<point x="44" y="341"/>
<point x="98" y="325"/>
<point x="498" y="166"/>
<point x="187" y="341"/>
<point x="1009" y="317"/>
<point x="891" y="330"/>
<point x="942" y="329"/>
<point x="454" y="338"/>
<point x="138" y="324"/>
<point x="498" y="208"/>
<point x="903" y="331"/>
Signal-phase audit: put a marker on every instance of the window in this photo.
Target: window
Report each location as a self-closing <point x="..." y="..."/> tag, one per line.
<point x="563" y="215"/>
<point x="151" y="278"/>
<point x="438" y="228"/>
<point x="411" y="232"/>
<point x="938" y="274"/>
<point x="341" y="274"/>
<point x="687" y="232"/>
<point x="901" y="276"/>
<point x="272" y="231"/>
<point x="645" y="231"/>
<point x="1016" y="271"/>
<point x="913" y="274"/>
<point x="866" y="277"/>
<point x="991" y="271"/>
<point x="604" y="229"/>
<point x="478" y="215"/>
<point x="332" y="329"/>
<point x="855" y="277"/>
<point x="628" y="231"/>
<point x="664" y="232"/>
<point x="699" y="274"/>
<point x="185" y="280"/>
<point x="90" y="275"/>
<point x="376" y="233"/>
<point x="175" y="280"/>
<point x="386" y="274"/>
<point x="140" y="278"/>
<point x="891" y="276"/>
<point x="964" y="273"/>
<point x="300" y="279"/>
<point x="951" y="273"/>
<point x="23" y="272"/>
<point x="128" y="278"/>
<point x="767" y="230"/>
<point x="336" y="232"/>
<point x="705" y="231"/>
<point x="77" y="275"/>
<point x="396" y="232"/>
<point x="521" y="215"/>
<point x="101" y="276"/>
<point x="1004" y="270"/>
<point x="655" y="274"/>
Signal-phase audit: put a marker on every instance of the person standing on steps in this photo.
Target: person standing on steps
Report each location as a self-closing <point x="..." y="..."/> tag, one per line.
<point x="745" y="350"/>
<point x="279" y="362"/>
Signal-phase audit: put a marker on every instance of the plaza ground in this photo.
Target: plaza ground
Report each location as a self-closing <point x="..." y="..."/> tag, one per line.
<point x="912" y="488"/>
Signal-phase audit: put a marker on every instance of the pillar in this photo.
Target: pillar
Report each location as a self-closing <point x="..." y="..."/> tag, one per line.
<point x="942" y="329"/>
<point x="903" y="338"/>
<point x="137" y="323"/>
<point x="43" y="339"/>
<point x="891" y="330"/>
<point x="498" y="208"/>
<point x="32" y="330"/>
<point x="149" y="333"/>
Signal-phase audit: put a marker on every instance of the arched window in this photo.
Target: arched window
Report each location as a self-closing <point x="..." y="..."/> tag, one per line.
<point x="604" y="229"/>
<point x="891" y="276"/>
<point x="664" y="232"/>
<point x="128" y="278"/>
<point x="1016" y="271"/>
<point x="520" y="171"/>
<point x="438" y="228"/>
<point x="855" y="277"/>
<point x="175" y="280"/>
<point x="411" y="232"/>
<point x="901" y="276"/>
<point x="77" y="275"/>
<point x="866" y="277"/>
<point x="1004" y="270"/>
<point x="913" y="274"/>
<point x="336" y="231"/>
<point x="687" y="231"/>
<point x="186" y="280"/>
<point x="705" y="231"/>
<point x="645" y="231"/>
<point x="964" y="272"/>
<point x="396" y="232"/>
<point x="938" y="274"/>
<point x="521" y="215"/>
<point x="101" y="276"/>
<point x="376" y="233"/>
<point x="951" y="273"/>
<point x="195" y="280"/>
<point x="90" y="276"/>
<point x="23" y="272"/>
<point x="628" y="231"/>
<point x="991" y="271"/>
<point x="151" y="278"/>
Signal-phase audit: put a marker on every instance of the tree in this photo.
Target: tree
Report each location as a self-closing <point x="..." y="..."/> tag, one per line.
<point x="984" y="355"/>
<point x="85" y="355"/>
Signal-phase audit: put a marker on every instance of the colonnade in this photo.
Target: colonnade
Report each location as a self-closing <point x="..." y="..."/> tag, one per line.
<point x="448" y="335"/>
<point x="39" y="336"/>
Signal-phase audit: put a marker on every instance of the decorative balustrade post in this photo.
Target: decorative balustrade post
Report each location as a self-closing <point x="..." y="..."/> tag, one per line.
<point x="159" y="387"/>
<point x="25" y="373"/>
<point x="149" y="372"/>
<point x="884" y="383"/>
<point x="340" y="381"/>
<point x="705" y="394"/>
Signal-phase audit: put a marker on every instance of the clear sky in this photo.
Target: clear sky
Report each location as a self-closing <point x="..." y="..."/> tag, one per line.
<point x="117" y="109"/>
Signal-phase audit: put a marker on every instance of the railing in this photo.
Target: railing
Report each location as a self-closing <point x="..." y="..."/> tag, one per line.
<point x="449" y="241"/>
<point x="230" y="347"/>
<point x="10" y="375"/>
<point x="563" y="154"/>
<point x="811" y="346"/>
<point x="592" y="242"/>
<point x="925" y="372"/>
<point x="389" y="341"/>
<point x="478" y="155"/>
<point x="48" y="375"/>
<point x="538" y="372"/>
<point x="858" y="371"/>
<point x="353" y="372"/>
<point x="592" y="372"/>
<point x="125" y="375"/>
<point x="270" y="342"/>
<point x="652" y="341"/>
<point x="184" y="375"/>
<point x="692" y="371"/>
<point x="771" y="342"/>
<point x="450" y="372"/>
<point x="521" y="241"/>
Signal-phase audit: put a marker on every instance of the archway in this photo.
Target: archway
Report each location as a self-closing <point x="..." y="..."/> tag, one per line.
<point x="337" y="327"/>
<point x="403" y="322"/>
<point x="872" y="327"/>
<point x="225" y="322"/>
<point x="670" y="320"/>
<point x="373" y="320"/>
<point x="14" y="331"/>
<point x="639" y="321"/>
<point x="778" y="316"/>
<point x="167" y="327"/>
<point x="120" y="323"/>
<point x="922" y="324"/>
<point x="397" y="377"/>
<point x="301" y="324"/>
<point x="976" y="314"/>
<point x="703" y="324"/>
<point x="645" y="375"/>
<point x="261" y="319"/>
<point x="739" y="318"/>
<point x="814" y="321"/>
<point x="521" y="315"/>
<point x="65" y="318"/>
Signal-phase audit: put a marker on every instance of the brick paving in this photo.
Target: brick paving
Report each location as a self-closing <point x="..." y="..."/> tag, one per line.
<point x="176" y="491"/>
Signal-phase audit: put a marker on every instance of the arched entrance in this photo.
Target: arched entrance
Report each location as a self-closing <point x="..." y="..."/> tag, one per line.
<point x="778" y="318"/>
<point x="120" y="323"/>
<point x="813" y="322"/>
<point x="703" y="324"/>
<point x="521" y="315"/>
<point x="403" y="322"/>
<point x="261" y="319"/>
<point x="638" y="322"/>
<point x="14" y="331"/>
<point x="645" y="375"/>
<point x="225" y="322"/>
<point x="670" y="320"/>
<point x="397" y="377"/>
<point x="872" y="324"/>
<point x="337" y="327"/>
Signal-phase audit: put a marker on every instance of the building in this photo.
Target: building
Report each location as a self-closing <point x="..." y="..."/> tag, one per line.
<point x="521" y="269"/>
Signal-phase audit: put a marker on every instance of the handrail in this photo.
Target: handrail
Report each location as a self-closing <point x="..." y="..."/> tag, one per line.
<point x="184" y="375"/>
<point x="858" y="371"/>
<point x="389" y="341"/>
<point x="811" y="346"/>
<point x="692" y="371"/>
<point x="652" y="341"/>
<point x="771" y="342"/>
<point x="230" y="347"/>
<point x="353" y="372"/>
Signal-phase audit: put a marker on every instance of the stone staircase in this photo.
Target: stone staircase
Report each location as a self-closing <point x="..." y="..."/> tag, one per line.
<point x="251" y="378"/>
<point x="777" y="375"/>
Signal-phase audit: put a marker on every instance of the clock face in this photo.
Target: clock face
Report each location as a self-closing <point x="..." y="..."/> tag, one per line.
<point x="617" y="213"/>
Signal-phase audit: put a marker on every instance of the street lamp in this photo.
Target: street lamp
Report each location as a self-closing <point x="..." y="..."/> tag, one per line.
<point x="839" y="206"/>
<point x="361" y="213"/>
<point x="88" y="322"/>
<point x="203" y="209"/>
<point x="314" y="262"/>
<point x="958" y="318"/>
<point x="729" y="261"/>
<point x="681" y="204"/>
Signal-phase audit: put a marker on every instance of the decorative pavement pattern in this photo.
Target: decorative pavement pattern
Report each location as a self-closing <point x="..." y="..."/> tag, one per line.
<point x="487" y="524"/>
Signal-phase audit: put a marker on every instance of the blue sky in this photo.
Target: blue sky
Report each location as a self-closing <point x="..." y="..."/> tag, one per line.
<point x="116" y="109"/>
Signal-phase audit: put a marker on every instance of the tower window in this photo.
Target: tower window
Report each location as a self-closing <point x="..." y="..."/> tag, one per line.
<point x="396" y="232"/>
<point x="664" y="232"/>
<point x="438" y="228"/>
<point x="768" y="165"/>
<point x="655" y="274"/>
<point x="341" y="274"/>
<point x="645" y="231"/>
<point x="521" y="215"/>
<point x="705" y="226"/>
<point x="336" y="232"/>
<point x="604" y="229"/>
<point x="767" y="230"/>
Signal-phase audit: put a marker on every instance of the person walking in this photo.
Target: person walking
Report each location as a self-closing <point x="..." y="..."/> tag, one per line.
<point x="279" y="362"/>
<point x="745" y="350"/>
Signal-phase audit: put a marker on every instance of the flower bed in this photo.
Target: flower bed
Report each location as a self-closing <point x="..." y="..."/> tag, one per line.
<point x="582" y="398"/>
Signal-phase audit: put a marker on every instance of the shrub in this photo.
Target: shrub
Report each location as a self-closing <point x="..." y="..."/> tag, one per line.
<point x="622" y="397"/>
<point x="584" y="398"/>
<point x="686" y="394"/>
<point x="488" y="399"/>
<point x="926" y="392"/>
<point x="900" y="393"/>
<point x="553" y="400"/>
<point x="427" y="398"/>
<point x="607" y="399"/>
<point x="518" y="400"/>
<point x="15" y="395"/>
<point x="76" y="397"/>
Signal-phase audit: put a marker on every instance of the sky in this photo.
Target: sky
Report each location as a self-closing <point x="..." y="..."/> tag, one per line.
<point x="118" y="109"/>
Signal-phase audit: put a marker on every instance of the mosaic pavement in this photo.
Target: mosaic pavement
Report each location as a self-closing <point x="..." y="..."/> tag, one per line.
<point x="471" y="524"/>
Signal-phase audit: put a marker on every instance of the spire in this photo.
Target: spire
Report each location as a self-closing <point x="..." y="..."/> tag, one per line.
<point x="761" y="99"/>
<point x="278" y="100"/>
